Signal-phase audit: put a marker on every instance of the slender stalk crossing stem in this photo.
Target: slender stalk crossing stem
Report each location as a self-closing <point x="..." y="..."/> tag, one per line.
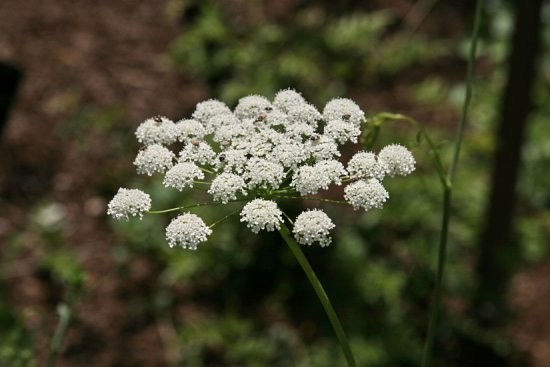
<point x="288" y="217"/>
<point x="318" y="287"/>
<point x="433" y="147"/>
<point x="189" y="207"/>
<point x="224" y="218"/>
<point x="447" y="196"/>
<point x="206" y="170"/>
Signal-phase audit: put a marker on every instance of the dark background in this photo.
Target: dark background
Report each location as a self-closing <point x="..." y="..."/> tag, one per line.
<point x="77" y="77"/>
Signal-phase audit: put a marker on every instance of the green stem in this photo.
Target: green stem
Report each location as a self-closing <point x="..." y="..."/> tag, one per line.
<point x="314" y="199"/>
<point x="224" y="218"/>
<point x="188" y="207"/>
<point x="441" y="258"/>
<point x="468" y="96"/>
<point x="317" y="286"/>
<point x="60" y="332"/>
<point x="207" y="170"/>
<point x="433" y="147"/>
<point x="447" y="196"/>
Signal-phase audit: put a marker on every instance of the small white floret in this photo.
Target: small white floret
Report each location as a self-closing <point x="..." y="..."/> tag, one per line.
<point x="342" y="131"/>
<point x="154" y="158"/>
<point x="286" y="99"/>
<point x="367" y="194"/>
<point x="208" y="109"/>
<point x="308" y="180"/>
<point x="226" y="186"/>
<point x="199" y="152"/>
<point x="299" y="131"/>
<point x="365" y="165"/>
<point x="261" y="173"/>
<point x="187" y="231"/>
<point x="182" y="175"/>
<point x="331" y="170"/>
<point x="304" y="113"/>
<point x="251" y="107"/>
<point x="399" y="160"/>
<point x="261" y="214"/>
<point x="129" y="202"/>
<point x="343" y="109"/>
<point x="232" y="160"/>
<point x="313" y="226"/>
<point x="156" y="130"/>
<point x="322" y="148"/>
<point x="289" y="154"/>
<point x="189" y="129"/>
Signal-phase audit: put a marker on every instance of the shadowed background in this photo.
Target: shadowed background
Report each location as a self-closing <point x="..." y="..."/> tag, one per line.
<point x="77" y="77"/>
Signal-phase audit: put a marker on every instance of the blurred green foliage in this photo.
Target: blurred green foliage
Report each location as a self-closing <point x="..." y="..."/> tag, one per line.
<point x="245" y="301"/>
<point x="314" y="51"/>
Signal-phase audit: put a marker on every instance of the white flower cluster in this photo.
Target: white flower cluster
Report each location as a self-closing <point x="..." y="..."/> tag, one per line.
<point x="187" y="230"/>
<point x="368" y="192"/>
<point x="128" y="202"/>
<point x="225" y="187"/>
<point x="182" y="175"/>
<point x="154" y="158"/>
<point x="262" y="214"/>
<point x="266" y="150"/>
<point x="313" y="226"/>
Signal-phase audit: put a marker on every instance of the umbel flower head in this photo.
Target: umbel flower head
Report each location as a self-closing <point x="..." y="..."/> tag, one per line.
<point x="259" y="155"/>
<point x="129" y="202"/>
<point x="313" y="226"/>
<point x="187" y="231"/>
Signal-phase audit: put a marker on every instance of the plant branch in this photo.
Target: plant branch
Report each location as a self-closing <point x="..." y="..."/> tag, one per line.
<point x="314" y="199"/>
<point x="447" y="196"/>
<point x="319" y="290"/>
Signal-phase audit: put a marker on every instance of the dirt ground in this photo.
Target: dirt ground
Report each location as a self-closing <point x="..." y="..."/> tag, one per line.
<point x="109" y="52"/>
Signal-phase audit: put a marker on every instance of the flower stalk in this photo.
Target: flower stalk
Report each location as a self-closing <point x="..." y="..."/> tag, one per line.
<point x="321" y="294"/>
<point x="447" y="196"/>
